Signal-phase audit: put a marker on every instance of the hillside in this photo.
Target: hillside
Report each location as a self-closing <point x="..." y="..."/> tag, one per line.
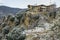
<point x="32" y="24"/>
<point x="5" y="10"/>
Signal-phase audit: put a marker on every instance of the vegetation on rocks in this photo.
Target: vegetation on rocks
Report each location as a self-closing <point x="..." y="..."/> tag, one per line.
<point x="28" y="26"/>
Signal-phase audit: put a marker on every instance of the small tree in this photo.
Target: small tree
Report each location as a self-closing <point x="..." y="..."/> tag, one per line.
<point x="16" y="34"/>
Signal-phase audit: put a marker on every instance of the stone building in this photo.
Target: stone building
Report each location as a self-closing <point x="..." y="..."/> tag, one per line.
<point x="50" y="10"/>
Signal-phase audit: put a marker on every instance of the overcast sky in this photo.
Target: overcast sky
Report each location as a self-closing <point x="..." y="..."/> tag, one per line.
<point x="24" y="3"/>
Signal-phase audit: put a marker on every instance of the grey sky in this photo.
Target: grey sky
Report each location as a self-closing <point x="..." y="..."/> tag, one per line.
<point x="24" y="3"/>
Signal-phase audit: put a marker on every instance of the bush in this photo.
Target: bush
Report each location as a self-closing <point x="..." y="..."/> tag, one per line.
<point x="16" y="34"/>
<point x="5" y="30"/>
<point x="3" y="24"/>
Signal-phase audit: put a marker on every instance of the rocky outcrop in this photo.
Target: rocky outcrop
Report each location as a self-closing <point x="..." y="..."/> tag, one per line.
<point x="30" y="26"/>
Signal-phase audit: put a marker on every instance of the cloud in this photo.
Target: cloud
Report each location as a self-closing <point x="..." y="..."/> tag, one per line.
<point x="0" y="0"/>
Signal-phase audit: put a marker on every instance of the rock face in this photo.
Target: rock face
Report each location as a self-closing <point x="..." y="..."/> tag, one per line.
<point x="51" y="33"/>
<point x="28" y="26"/>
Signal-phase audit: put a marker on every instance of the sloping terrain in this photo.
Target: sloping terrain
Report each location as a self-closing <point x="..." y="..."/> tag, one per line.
<point x="5" y="10"/>
<point x="30" y="26"/>
<point x="25" y="26"/>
